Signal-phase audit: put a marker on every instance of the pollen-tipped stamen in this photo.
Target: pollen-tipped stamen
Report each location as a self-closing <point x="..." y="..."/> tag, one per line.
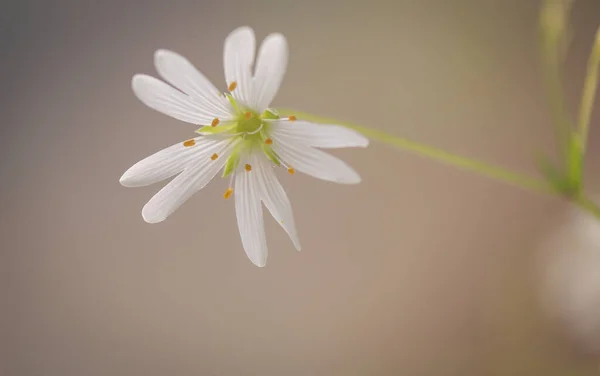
<point x="290" y="170"/>
<point x="215" y="122"/>
<point x="228" y="193"/>
<point x="232" y="86"/>
<point x="189" y="143"/>
<point x="214" y="156"/>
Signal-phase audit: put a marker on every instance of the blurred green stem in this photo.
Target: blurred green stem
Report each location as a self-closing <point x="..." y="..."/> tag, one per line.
<point x="589" y="92"/>
<point x="491" y="171"/>
<point x="554" y="44"/>
<point x="439" y="155"/>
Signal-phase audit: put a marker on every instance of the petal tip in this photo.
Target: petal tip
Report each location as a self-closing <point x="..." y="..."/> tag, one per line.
<point x="241" y="30"/>
<point x="151" y="217"/>
<point x="276" y="36"/>
<point x="138" y="81"/>
<point x="124" y="180"/>
<point x="351" y="180"/>
<point x="161" y="55"/>
<point x="259" y="263"/>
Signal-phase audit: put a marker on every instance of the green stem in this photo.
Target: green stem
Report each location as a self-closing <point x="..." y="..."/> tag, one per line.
<point x="465" y="163"/>
<point x="553" y="30"/>
<point x="427" y="151"/>
<point x="589" y="92"/>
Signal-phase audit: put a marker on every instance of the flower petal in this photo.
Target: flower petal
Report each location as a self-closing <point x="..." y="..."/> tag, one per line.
<point x="271" y="65"/>
<point x="324" y="136"/>
<point x="165" y="163"/>
<point x="190" y="181"/>
<point x="179" y="72"/>
<point x="314" y="162"/>
<point x="238" y="56"/>
<point x="168" y="100"/>
<point x="275" y="198"/>
<point x="248" y="209"/>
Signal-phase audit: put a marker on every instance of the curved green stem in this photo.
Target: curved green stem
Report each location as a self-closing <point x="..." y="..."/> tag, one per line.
<point x="491" y="171"/>
<point x="439" y="155"/>
<point x="589" y="92"/>
<point x="554" y="42"/>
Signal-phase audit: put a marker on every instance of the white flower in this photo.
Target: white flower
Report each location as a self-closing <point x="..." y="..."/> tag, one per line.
<point x="570" y="261"/>
<point x="240" y="135"/>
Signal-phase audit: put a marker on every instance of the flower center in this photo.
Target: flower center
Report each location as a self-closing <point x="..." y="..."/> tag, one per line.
<point x="248" y="122"/>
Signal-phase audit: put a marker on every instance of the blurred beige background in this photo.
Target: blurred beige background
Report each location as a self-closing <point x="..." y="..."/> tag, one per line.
<point x="420" y="270"/>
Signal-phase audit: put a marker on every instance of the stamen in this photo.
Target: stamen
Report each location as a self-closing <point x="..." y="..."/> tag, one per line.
<point x="248" y="168"/>
<point x="228" y="193"/>
<point x="232" y="86"/>
<point x="189" y="143"/>
<point x="214" y="156"/>
<point x="268" y="141"/>
<point x="292" y="118"/>
<point x="215" y="122"/>
<point x="248" y="115"/>
<point x="291" y="171"/>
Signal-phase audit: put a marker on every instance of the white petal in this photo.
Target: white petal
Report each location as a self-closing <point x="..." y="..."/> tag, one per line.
<point x="164" y="164"/>
<point x="168" y="100"/>
<point x="248" y="209"/>
<point x="320" y="135"/>
<point x="190" y="181"/>
<point x="270" y="69"/>
<point x="314" y="162"/>
<point x="274" y="197"/>
<point x="179" y="72"/>
<point x="238" y="56"/>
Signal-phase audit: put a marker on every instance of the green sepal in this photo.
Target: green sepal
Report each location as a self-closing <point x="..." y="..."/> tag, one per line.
<point x="270" y="114"/>
<point x="233" y="102"/>
<point x="233" y="160"/>
<point x="207" y="129"/>
<point x="270" y="153"/>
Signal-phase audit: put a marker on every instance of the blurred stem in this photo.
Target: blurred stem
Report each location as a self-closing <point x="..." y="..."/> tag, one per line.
<point x="553" y="33"/>
<point x="423" y="150"/>
<point x="589" y="92"/>
<point x="554" y="39"/>
<point x="439" y="155"/>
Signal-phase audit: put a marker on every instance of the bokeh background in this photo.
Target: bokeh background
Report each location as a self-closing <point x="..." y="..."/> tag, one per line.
<point x="420" y="270"/>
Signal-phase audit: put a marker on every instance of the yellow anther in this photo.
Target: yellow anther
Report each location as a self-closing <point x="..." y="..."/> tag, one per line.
<point x="291" y="171"/>
<point x="214" y="156"/>
<point x="248" y="168"/>
<point x="215" y="122"/>
<point x="268" y="141"/>
<point x="291" y="118"/>
<point x="248" y="115"/>
<point x="232" y="86"/>
<point x="228" y="193"/>
<point x="189" y="143"/>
